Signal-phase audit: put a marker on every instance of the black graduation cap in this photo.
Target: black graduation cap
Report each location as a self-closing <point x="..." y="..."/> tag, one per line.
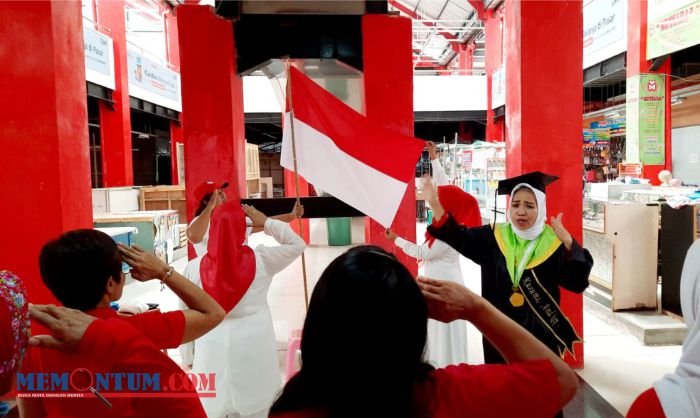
<point x="536" y="179"/>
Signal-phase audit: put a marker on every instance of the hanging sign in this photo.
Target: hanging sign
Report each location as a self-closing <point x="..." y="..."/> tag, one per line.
<point x="153" y="81"/>
<point x="646" y="119"/>
<point x="604" y="30"/>
<point x="673" y="25"/>
<point x="99" y="58"/>
<point x="498" y="87"/>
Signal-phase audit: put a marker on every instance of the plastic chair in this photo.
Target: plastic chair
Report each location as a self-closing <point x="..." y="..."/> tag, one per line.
<point x="293" y="346"/>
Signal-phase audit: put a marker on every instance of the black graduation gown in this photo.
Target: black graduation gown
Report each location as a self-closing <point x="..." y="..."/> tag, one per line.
<point x="568" y="269"/>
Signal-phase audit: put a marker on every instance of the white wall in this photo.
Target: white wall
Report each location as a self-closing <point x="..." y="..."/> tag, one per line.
<point x="430" y="93"/>
<point x="445" y="93"/>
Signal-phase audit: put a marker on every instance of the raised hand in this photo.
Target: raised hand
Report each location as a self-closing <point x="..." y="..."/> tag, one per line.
<point x="448" y="301"/>
<point x="255" y="215"/>
<point x="144" y="265"/>
<point x="432" y="150"/>
<point x="298" y="211"/>
<point x="563" y="235"/>
<point x="390" y="235"/>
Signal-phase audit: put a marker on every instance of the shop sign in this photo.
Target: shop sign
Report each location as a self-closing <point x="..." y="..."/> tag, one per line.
<point x="99" y="58"/>
<point x="604" y="30"/>
<point x="596" y="135"/>
<point x="498" y="87"/>
<point x="152" y="81"/>
<point x="466" y="161"/>
<point x="646" y="119"/>
<point x="673" y="25"/>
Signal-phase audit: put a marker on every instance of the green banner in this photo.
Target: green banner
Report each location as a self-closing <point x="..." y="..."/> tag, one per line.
<point x="673" y="25"/>
<point x="646" y="119"/>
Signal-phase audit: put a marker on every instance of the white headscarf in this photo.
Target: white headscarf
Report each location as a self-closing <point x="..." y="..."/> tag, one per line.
<point x="536" y="229"/>
<point x="679" y="392"/>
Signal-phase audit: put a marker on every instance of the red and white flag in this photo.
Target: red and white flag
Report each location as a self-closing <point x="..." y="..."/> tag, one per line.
<point x="343" y="153"/>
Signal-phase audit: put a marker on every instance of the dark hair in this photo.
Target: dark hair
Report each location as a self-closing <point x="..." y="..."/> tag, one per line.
<point x="77" y="266"/>
<point x="203" y="204"/>
<point x="363" y="340"/>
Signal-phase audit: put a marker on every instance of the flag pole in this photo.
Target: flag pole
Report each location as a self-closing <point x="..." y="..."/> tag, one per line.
<point x="296" y="176"/>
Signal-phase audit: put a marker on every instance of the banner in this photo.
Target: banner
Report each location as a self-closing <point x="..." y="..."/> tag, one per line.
<point x="498" y="87"/>
<point x="673" y="25"/>
<point x="604" y="30"/>
<point x="153" y="81"/>
<point x="646" y="119"/>
<point x="99" y="58"/>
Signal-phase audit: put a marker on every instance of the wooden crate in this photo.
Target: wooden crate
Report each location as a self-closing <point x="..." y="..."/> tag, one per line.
<point x="165" y="198"/>
<point x="252" y="162"/>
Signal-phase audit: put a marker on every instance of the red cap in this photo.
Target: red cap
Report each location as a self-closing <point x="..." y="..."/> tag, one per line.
<point x="462" y="206"/>
<point x="205" y="188"/>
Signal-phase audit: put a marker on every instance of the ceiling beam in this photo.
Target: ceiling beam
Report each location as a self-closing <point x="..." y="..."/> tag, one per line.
<point x="415" y="16"/>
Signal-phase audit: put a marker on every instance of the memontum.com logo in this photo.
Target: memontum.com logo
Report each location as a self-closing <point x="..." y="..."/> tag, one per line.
<point x="83" y="383"/>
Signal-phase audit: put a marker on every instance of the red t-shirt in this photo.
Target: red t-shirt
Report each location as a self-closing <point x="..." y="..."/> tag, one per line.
<point x="523" y="390"/>
<point x="162" y="330"/>
<point x="647" y="405"/>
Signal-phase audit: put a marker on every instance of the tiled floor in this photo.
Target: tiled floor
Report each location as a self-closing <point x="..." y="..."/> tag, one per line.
<point x="617" y="366"/>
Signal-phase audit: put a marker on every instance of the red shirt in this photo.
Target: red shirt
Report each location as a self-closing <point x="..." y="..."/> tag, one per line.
<point x="522" y="390"/>
<point x="162" y="330"/>
<point x="647" y="405"/>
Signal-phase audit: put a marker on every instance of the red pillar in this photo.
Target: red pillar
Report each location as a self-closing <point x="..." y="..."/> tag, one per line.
<point x="495" y="130"/>
<point x="637" y="64"/>
<point x="172" y="51"/>
<point x="388" y="80"/>
<point x="212" y="102"/>
<point x="544" y="118"/>
<point x="465" y="58"/>
<point x="115" y="119"/>
<point x="45" y="157"/>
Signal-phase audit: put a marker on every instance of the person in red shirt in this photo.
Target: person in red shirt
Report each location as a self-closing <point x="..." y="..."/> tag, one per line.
<point x="83" y="269"/>
<point x="363" y="344"/>
<point x="119" y="348"/>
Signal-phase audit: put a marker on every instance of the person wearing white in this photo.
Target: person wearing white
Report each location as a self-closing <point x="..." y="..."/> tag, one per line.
<point x="439" y="174"/>
<point x="242" y="350"/>
<point x="447" y="343"/>
<point x="679" y="393"/>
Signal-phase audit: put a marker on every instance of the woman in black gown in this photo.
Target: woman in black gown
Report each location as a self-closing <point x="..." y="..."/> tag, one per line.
<point x="523" y="262"/>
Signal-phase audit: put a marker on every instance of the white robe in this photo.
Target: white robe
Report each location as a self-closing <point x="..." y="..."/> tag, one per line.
<point x="447" y="343"/>
<point x="242" y="350"/>
<point x="679" y="393"/>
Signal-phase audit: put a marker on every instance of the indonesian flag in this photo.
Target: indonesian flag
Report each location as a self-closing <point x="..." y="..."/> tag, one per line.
<point x="343" y="153"/>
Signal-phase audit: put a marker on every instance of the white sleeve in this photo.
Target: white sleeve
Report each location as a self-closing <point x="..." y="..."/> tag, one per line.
<point x="422" y="252"/>
<point x="439" y="174"/>
<point x="276" y="259"/>
<point x="191" y="272"/>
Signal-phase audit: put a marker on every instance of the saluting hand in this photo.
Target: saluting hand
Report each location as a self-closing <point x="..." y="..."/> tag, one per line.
<point x="255" y="215"/>
<point x="432" y="150"/>
<point x="563" y="235"/>
<point x="390" y="235"/>
<point x="144" y="265"/>
<point x="428" y="191"/>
